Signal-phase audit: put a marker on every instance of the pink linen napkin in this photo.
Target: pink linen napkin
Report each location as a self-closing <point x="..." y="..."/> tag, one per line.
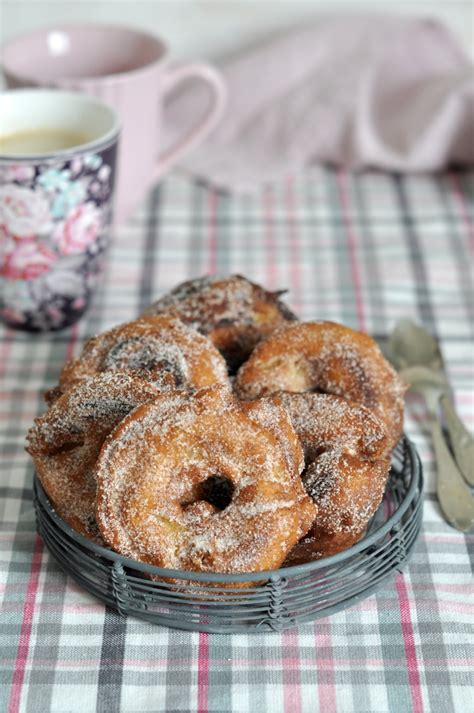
<point x="361" y="91"/>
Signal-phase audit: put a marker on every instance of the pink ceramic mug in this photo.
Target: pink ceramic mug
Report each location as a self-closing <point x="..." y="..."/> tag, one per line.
<point x="127" y="69"/>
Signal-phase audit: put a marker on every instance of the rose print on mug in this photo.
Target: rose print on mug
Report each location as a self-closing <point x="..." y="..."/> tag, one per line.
<point x="79" y="230"/>
<point x="56" y="196"/>
<point x="27" y="260"/>
<point x="23" y="212"/>
<point x="53" y="225"/>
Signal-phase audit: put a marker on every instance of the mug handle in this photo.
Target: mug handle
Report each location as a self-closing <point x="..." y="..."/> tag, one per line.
<point x="196" y="134"/>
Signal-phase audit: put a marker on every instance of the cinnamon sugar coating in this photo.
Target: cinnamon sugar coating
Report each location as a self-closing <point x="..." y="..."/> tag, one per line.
<point x="146" y="449"/>
<point x="271" y="413"/>
<point x="232" y="311"/>
<point x="329" y="358"/>
<point x="192" y="482"/>
<point x="65" y="441"/>
<point x="324" y="421"/>
<point x="160" y="349"/>
<point x="345" y="448"/>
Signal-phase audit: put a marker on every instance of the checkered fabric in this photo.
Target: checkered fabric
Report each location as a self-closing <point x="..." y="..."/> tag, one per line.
<point x="364" y="250"/>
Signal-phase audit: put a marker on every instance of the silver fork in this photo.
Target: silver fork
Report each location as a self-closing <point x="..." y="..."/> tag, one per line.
<point x="411" y="351"/>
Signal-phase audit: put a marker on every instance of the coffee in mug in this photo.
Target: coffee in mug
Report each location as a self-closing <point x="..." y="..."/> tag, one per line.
<point x="129" y="70"/>
<point x="41" y="140"/>
<point x="57" y="178"/>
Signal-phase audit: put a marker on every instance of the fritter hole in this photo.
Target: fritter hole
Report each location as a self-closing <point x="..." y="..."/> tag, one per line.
<point x="217" y="490"/>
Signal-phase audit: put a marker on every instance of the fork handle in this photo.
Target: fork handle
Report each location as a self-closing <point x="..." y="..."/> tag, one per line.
<point x="455" y="498"/>
<point x="461" y="440"/>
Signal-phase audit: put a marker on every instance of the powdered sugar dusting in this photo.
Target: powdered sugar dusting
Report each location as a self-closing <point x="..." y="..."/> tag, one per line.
<point x="65" y="441"/>
<point x="160" y="349"/>
<point x="326" y="421"/>
<point x="347" y="489"/>
<point x="147" y="426"/>
<point x="149" y="503"/>
<point x="345" y="449"/>
<point x="271" y="413"/>
<point x="326" y="357"/>
<point x="234" y="312"/>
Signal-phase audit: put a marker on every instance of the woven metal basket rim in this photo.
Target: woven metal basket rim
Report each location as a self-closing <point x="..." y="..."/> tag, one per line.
<point x="373" y="538"/>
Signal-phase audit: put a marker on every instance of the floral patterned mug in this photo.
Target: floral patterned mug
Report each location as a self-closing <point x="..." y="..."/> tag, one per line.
<point x="55" y="207"/>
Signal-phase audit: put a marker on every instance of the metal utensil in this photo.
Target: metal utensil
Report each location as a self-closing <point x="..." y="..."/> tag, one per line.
<point x="461" y="440"/>
<point x="411" y="347"/>
<point x="417" y="357"/>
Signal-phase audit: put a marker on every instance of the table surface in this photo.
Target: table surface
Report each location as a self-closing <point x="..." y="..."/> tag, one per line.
<point x="364" y="250"/>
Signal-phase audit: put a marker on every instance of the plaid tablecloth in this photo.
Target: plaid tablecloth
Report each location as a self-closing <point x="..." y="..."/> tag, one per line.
<point x="363" y="250"/>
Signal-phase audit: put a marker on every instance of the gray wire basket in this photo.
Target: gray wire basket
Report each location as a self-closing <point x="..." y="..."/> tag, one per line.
<point x="271" y="600"/>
